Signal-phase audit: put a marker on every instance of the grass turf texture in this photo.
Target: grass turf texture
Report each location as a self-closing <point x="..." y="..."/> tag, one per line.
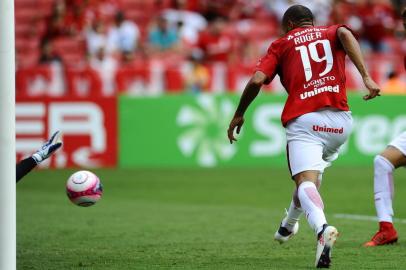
<point x="195" y="219"/>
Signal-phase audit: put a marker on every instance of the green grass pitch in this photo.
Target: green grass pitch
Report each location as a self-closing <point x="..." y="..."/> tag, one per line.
<point x="196" y="219"/>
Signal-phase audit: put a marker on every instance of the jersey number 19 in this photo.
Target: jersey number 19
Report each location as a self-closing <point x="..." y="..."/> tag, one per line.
<point x="314" y="55"/>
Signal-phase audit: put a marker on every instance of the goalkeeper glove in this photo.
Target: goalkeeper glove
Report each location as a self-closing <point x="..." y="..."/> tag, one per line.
<point x="53" y="144"/>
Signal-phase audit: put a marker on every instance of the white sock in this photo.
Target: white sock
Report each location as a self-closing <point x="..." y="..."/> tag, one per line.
<point x="383" y="188"/>
<point x="294" y="212"/>
<point x="312" y="205"/>
<point x="293" y="216"/>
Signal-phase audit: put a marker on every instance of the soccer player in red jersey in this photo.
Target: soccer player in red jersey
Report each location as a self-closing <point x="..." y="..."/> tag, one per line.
<point x="393" y="157"/>
<point x="310" y="62"/>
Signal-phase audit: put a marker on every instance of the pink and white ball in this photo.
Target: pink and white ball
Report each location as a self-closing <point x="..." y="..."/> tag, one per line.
<point x="84" y="188"/>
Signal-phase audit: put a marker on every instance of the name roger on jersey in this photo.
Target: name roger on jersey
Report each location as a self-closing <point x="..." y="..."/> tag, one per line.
<point x="317" y="91"/>
<point x="306" y="35"/>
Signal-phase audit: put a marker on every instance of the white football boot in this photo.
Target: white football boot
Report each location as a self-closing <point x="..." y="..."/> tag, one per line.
<point x="325" y="242"/>
<point x="282" y="235"/>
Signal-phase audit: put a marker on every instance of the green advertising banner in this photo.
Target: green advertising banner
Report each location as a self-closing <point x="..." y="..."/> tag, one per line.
<point x="190" y="131"/>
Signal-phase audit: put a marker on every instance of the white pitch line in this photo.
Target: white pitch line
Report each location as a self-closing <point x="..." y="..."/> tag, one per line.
<point x="365" y="218"/>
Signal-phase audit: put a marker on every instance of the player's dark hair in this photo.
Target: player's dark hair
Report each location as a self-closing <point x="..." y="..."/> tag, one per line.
<point x="297" y="14"/>
<point x="404" y="13"/>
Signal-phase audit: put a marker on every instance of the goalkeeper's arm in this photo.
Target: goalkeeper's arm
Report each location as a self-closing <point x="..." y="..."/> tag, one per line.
<point x="26" y="165"/>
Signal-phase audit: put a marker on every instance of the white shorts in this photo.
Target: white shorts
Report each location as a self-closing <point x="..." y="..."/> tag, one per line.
<point x="400" y="142"/>
<point x="314" y="139"/>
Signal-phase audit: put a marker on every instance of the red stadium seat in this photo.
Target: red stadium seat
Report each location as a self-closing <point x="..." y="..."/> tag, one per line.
<point x="71" y="50"/>
<point x="147" y="6"/>
<point x="26" y="44"/>
<point x="41" y="27"/>
<point x="25" y="3"/>
<point x="46" y="6"/>
<point x="27" y="12"/>
<point x="25" y="30"/>
<point x="32" y="11"/>
<point x="24" y="20"/>
<point x="136" y="15"/>
<point x="27" y="58"/>
<point x="68" y="45"/>
<point x="73" y="59"/>
<point x="131" y="5"/>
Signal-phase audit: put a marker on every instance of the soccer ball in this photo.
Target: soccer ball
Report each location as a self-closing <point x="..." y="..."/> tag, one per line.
<point x="84" y="188"/>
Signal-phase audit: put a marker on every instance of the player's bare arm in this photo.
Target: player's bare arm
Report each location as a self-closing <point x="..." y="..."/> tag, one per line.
<point x="250" y="93"/>
<point x="353" y="50"/>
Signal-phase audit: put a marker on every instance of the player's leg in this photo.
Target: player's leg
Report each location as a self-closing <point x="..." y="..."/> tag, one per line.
<point x="310" y="199"/>
<point x="304" y="154"/>
<point x="332" y="142"/>
<point x="310" y="151"/>
<point x="313" y="206"/>
<point x="304" y="151"/>
<point x="384" y="165"/>
<point x="306" y="180"/>
<point x="290" y="223"/>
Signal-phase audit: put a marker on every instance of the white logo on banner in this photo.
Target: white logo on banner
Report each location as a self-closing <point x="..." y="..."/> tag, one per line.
<point x="205" y="130"/>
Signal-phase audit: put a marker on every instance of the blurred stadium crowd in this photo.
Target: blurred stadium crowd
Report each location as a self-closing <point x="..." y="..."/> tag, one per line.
<point x="108" y="47"/>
